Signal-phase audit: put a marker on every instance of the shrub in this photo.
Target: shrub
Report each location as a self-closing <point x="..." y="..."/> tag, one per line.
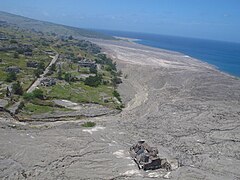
<point x="38" y="72"/>
<point x="93" y="70"/>
<point x="116" y="80"/>
<point x="11" y="77"/>
<point x="17" y="88"/>
<point x="41" y="66"/>
<point x="117" y="95"/>
<point x="53" y="67"/>
<point x="89" y="124"/>
<point x="38" y="93"/>
<point x="59" y="74"/>
<point x="16" y="55"/>
<point x="93" y="81"/>
<point x="68" y="77"/>
<point x="119" y="73"/>
<point x="28" y="96"/>
<point x="13" y="41"/>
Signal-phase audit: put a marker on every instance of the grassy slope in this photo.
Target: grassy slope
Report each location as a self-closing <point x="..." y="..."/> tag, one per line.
<point x="22" y="29"/>
<point x="27" y="23"/>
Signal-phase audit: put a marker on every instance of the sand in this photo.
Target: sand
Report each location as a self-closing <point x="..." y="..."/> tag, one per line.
<point x="185" y="107"/>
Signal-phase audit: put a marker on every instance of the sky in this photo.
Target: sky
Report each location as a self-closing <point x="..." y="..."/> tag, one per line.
<point x="207" y="19"/>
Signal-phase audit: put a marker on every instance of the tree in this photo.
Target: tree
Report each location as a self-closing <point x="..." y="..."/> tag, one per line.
<point x="93" y="81"/>
<point x="38" y="93"/>
<point x="59" y="74"/>
<point x="11" y="76"/>
<point x="28" y="96"/>
<point x="93" y="69"/>
<point x="70" y="37"/>
<point x="41" y="66"/>
<point x="17" y="88"/>
<point x="16" y="55"/>
<point x="117" y="95"/>
<point x="38" y="72"/>
<point x="13" y="41"/>
<point x="53" y="67"/>
<point x="116" y="80"/>
<point x="68" y="77"/>
<point x="119" y="73"/>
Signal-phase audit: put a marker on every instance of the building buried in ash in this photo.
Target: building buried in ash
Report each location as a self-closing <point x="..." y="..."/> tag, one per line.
<point x="147" y="157"/>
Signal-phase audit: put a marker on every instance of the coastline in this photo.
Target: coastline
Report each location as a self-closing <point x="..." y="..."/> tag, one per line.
<point x="131" y="43"/>
<point x="204" y="60"/>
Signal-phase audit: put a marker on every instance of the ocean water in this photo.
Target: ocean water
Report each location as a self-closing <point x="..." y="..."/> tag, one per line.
<point x="223" y="55"/>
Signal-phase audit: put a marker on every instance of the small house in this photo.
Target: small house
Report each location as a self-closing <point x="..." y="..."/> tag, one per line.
<point x="13" y="69"/>
<point x="28" y="53"/>
<point x="87" y="63"/>
<point x="48" y="82"/>
<point x="32" y="64"/>
<point x="49" y="52"/>
<point x="3" y="37"/>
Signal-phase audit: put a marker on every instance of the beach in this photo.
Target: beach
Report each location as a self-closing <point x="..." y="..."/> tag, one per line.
<point x="186" y="108"/>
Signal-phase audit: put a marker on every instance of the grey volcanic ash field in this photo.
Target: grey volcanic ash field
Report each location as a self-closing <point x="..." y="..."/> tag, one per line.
<point x="186" y="108"/>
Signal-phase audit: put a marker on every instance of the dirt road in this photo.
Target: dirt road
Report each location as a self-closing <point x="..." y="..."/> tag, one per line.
<point x="187" y="109"/>
<point x="38" y="80"/>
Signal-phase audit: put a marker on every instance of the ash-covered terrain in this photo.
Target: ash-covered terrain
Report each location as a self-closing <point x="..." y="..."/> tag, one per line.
<point x="186" y="108"/>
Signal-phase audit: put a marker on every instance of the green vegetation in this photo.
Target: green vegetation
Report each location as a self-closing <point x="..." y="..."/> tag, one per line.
<point x="93" y="70"/>
<point x="53" y="67"/>
<point x="29" y="51"/>
<point x="37" y="93"/>
<point x="89" y="124"/>
<point x="31" y="108"/>
<point x="16" y="55"/>
<point x="117" y="95"/>
<point x="79" y="92"/>
<point x="93" y="81"/>
<point x="11" y="77"/>
<point x="17" y="88"/>
<point x="39" y="70"/>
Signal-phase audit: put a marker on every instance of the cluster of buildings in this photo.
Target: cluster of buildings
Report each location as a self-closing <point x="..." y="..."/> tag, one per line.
<point x="87" y="63"/>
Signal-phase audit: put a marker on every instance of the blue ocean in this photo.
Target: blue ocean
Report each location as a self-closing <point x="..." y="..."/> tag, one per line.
<point x="223" y="55"/>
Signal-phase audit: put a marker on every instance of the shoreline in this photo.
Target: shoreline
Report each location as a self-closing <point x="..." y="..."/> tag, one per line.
<point x="135" y="41"/>
<point x="134" y="44"/>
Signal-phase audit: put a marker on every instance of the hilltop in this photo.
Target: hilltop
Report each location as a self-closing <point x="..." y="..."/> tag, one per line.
<point x="48" y="27"/>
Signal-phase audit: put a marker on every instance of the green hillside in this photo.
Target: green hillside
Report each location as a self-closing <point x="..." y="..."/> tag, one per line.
<point x="47" y="27"/>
